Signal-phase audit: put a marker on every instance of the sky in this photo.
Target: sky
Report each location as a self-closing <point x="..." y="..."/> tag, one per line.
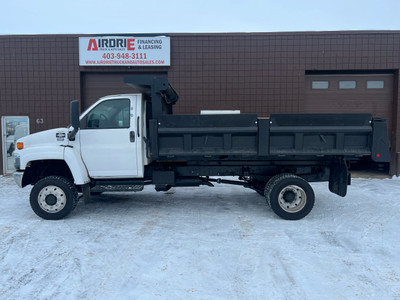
<point x="176" y="16"/>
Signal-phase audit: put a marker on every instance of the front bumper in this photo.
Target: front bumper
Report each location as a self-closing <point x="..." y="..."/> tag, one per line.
<point x="17" y="161"/>
<point x="18" y="178"/>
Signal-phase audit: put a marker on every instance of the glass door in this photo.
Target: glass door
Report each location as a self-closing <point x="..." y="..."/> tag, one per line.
<point x="12" y="128"/>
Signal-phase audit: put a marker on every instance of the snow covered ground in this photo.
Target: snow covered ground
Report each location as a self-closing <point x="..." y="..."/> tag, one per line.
<point x="204" y="243"/>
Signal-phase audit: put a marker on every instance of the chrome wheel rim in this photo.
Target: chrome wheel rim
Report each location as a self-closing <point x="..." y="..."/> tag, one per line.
<point x="52" y="199"/>
<point x="292" y="199"/>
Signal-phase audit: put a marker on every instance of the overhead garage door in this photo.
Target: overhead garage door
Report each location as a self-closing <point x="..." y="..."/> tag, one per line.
<point x="358" y="93"/>
<point x="96" y="85"/>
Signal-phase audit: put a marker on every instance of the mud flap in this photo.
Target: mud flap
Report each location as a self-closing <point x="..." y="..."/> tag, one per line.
<point x="86" y="193"/>
<point x="339" y="177"/>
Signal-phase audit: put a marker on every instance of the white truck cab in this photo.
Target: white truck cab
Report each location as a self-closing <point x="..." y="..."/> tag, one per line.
<point x="108" y="145"/>
<point x="117" y="119"/>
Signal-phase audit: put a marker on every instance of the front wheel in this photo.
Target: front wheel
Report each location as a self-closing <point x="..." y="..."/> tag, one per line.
<point x="53" y="197"/>
<point x="290" y="196"/>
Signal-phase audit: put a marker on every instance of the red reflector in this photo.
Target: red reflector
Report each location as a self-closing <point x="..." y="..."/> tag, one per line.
<point x="378" y="155"/>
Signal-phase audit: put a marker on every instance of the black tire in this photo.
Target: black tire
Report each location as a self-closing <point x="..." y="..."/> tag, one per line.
<point x="289" y="196"/>
<point x="53" y="197"/>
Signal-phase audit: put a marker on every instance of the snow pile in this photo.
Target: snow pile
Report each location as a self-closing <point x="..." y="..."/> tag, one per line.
<point x="203" y="243"/>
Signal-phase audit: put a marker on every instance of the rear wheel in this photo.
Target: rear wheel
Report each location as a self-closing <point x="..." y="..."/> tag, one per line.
<point x="53" y="197"/>
<point x="289" y="196"/>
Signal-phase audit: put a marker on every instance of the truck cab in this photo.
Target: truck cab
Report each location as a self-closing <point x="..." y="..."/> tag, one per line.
<point x="108" y="143"/>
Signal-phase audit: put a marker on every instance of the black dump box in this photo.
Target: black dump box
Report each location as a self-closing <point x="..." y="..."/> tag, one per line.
<point x="349" y="135"/>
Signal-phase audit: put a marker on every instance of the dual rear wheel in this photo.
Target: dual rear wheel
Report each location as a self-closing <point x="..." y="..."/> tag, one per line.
<point x="289" y="196"/>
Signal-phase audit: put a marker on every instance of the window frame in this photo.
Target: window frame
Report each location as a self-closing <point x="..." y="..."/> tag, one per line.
<point x="319" y="82"/>
<point x="375" y="81"/>
<point x="344" y="82"/>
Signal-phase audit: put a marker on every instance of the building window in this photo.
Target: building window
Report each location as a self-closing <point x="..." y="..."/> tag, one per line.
<point x="320" y="85"/>
<point x="347" y="84"/>
<point x="375" y="84"/>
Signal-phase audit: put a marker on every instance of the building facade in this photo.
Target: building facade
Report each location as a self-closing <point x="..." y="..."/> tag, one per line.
<point x="263" y="73"/>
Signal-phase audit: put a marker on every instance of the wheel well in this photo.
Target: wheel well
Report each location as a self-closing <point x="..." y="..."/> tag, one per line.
<point x="43" y="168"/>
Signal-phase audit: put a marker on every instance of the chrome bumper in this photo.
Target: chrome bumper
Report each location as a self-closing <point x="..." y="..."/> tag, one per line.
<point x="18" y="178"/>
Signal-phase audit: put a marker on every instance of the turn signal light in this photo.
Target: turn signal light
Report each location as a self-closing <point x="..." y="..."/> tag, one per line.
<point x="20" y="145"/>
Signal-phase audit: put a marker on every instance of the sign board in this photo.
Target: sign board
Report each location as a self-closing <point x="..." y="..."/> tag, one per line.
<point x="124" y="51"/>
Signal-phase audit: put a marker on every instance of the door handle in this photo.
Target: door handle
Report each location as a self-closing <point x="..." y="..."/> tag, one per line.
<point x="138" y="119"/>
<point x="132" y="136"/>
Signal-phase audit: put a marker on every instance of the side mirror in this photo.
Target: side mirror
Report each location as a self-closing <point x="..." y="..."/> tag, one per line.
<point x="74" y="115"/>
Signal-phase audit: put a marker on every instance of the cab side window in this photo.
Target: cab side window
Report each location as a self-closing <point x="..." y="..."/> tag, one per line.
<point x="110" y="114"/>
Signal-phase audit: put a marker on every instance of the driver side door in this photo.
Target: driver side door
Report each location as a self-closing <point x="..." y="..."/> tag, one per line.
<point x="109" y="144"/>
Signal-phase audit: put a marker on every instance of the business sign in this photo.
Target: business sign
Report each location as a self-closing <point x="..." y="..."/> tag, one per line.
<point x="124" y="51"/>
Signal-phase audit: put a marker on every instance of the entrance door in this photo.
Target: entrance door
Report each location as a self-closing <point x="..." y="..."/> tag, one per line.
<point x="110" y="138"/>
<point x="13" y="128"/>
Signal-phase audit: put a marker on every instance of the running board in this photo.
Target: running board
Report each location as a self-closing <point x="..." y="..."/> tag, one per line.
<point x="116" y="188"/>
